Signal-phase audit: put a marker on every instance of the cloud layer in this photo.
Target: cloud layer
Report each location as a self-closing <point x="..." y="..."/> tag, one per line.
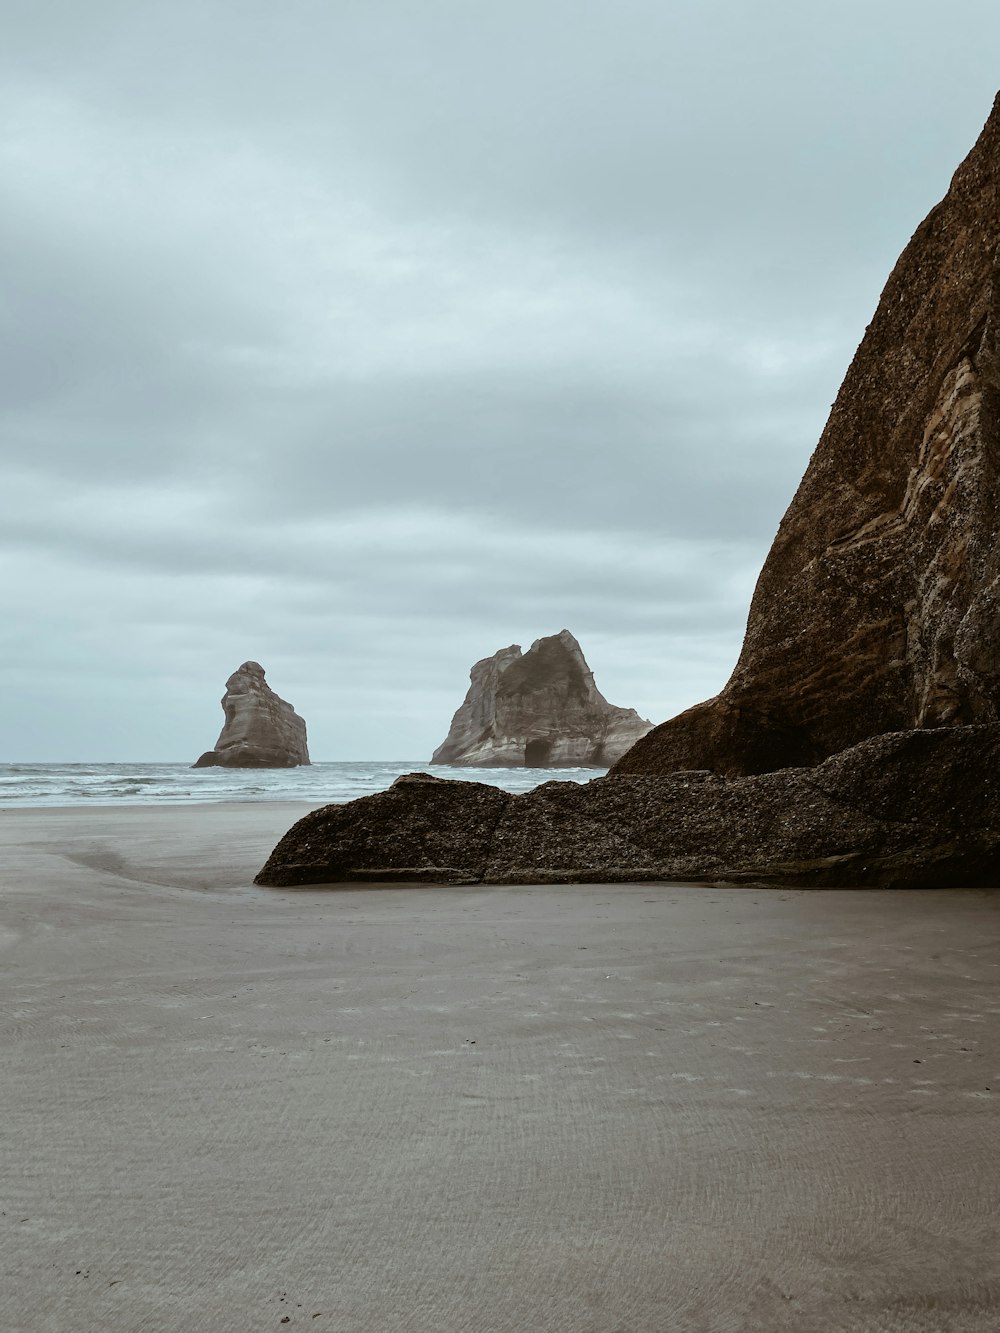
<point x="365" y="339"/>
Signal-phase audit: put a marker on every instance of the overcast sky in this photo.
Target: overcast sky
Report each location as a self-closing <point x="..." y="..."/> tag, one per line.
<point x="364" y="338"/>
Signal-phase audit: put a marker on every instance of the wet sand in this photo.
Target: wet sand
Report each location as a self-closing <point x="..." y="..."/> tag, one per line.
<point x="557" y="1108"/>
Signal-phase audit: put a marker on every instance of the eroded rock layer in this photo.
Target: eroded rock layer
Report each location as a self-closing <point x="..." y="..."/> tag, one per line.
<point x="911" y="809"/>
<point x="878" y="607"/>
<point x="261" y="730"/>
<point x="539" y="709"/>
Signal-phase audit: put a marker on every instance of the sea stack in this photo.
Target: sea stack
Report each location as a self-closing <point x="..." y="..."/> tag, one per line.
<point x="539" y="709"/>
<point x="878" y="608"/>
<point x="261" y="730"/>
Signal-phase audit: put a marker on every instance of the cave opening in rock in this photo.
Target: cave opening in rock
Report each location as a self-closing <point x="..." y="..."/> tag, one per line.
<point x="537" y="753"/>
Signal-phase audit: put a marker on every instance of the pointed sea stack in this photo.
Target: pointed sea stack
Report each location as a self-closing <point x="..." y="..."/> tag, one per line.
<point x="261" y="730"/>
<point x="539" y="709"/>
<point x="878" y="608"/>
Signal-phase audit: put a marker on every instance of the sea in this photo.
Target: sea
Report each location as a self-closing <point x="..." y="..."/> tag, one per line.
<point x="165" y="784"/>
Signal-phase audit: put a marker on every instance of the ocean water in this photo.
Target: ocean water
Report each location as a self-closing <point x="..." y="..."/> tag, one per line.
<point x="161" y="784"/>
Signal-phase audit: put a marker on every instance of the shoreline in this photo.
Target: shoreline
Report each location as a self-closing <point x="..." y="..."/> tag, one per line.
<point x="122" y="807"/>
<point x="575" y="1108"/>
<point x="122" y="786"/>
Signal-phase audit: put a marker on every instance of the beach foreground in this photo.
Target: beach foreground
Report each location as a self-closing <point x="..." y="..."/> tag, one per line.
<point x="639" y="1107"/>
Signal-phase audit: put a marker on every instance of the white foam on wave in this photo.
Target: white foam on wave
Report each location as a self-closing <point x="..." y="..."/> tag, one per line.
<point x="158" y="784"/>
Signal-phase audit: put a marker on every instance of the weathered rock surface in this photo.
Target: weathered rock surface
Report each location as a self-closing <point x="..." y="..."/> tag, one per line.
<point x="912" y="809"/>
<point x="422" y="828"/>
<point x="539" y="709"/>
<point x="878" y="608"/>
<point x="261" y="730"/>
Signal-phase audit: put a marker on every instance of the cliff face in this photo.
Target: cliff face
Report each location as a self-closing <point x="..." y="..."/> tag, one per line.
<point x="878" y="608"/>
<point x="261" y="730"/>
<point x="540" y="709"/>
<point x="858" y="740"/>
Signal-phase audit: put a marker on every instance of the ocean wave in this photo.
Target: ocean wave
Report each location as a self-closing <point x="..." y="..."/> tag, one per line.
<point x="162" y="784"/>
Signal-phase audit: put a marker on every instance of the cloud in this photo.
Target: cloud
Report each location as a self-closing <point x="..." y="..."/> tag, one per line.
<point x="363" y="340"/>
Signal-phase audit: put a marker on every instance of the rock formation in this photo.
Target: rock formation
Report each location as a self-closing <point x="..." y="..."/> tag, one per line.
<point x="858" y="739"/>
<point x="914" y="809"/>
<point x="423" y="827"/>
<point x="539" y="709"/>
<point x="261" y="730"/>
<point x="878" y="608"/>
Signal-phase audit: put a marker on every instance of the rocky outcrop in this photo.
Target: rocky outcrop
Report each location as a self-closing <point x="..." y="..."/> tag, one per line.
<point x="913" y="809"/>
<point x="878" y="608"/>
<point x="858" y="740"/>
<point x="539" y="709"/>
<point x="421" y="828"/>
<point x="261" y="730"/>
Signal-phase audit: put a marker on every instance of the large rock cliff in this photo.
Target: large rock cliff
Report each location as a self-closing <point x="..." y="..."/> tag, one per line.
<point x="261" y="730"/>
<point x="878" y="607"/>
<point x="539" y="709"/>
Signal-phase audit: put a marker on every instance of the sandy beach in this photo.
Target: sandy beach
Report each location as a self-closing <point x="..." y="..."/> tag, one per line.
<point x="647" y="1107"/>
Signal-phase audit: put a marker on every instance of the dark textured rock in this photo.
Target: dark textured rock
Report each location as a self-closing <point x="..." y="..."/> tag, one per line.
<point x="912" y="809"/>
<point x="878" y="608"/>
<point x="260" y="731"/>
<point x="917" y="808"/>
<point x="540" y="709"/>
<point x="422" y="828"/>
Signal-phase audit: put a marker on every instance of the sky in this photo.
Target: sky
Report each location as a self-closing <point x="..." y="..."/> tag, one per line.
<point x="363" y="338"/>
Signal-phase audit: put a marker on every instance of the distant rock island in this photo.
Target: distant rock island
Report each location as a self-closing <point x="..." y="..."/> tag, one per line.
<point x="539" y="709"/>
<point x="858" y="740"/>
<point x="260" y="731"/>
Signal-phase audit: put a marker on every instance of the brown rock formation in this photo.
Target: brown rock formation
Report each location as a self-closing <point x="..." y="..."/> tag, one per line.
<point x="873" y="637"/>
<point x="878" y="608"/>
<point x="423" y="827"/>
<point x="261" y="730"/>
<point x="539" y="709"/>
<point x="915" y="809"/>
